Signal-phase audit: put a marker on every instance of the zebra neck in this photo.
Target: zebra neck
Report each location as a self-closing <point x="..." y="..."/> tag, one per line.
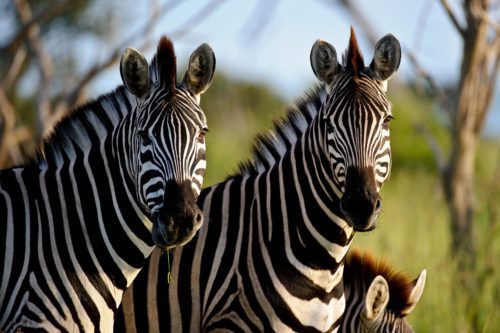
<point x="312" y="229"/>
<point x="82" y="151"/>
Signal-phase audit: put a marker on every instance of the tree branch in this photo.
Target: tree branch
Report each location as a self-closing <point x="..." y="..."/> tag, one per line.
<point x="481" y="14"/>
<point x="258" y="20"/>
<point x="54" y="10"/>
<point x="70" y="99"/>
<point x="197" y="18"/>
<point x="44" y="65"/>
<point x="8" y="115"/>
<point x="361" y="20"/>
<point x="15" y="68"/>
<point x="441" y="96"/>
<point x="453" y="18"/>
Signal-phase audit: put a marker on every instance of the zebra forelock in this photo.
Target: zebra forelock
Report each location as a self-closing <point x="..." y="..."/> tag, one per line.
<point x="163" y="69"/>
<point x="361" y="268"/>
<point x="353" y="59"/>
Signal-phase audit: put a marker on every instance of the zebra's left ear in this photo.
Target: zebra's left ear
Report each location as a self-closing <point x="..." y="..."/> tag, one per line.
<point x="416" y="293"/>
<point x="386" y="58"/>
<point x="201" y="69"/>
<point x="134" y="72"/>
<point x="376" y="298"/>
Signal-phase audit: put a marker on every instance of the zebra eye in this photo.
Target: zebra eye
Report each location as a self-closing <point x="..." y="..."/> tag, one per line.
<point x="329" y="126"/>
<point x="387" y="120"/>
<point x="201" y="135"/>
<point x="144" y="137"/>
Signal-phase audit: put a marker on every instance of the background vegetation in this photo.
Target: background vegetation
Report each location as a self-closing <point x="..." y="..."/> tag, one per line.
<point x="43" y="73"/>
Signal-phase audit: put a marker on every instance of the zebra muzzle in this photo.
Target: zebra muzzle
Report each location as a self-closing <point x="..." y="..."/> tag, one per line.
<point x="179" y="218"/>
<point x="361" y="204"/>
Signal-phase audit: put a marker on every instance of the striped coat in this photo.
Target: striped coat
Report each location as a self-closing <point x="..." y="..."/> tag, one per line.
<point x="271" y="255"/>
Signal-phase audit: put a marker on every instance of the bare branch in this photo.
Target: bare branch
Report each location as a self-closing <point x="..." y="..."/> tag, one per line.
<point x="258" y="20"/>
<point x="361" y="20"/>
<point x="69" y="100"/>
<point x="52" y="11"/>
<point x="15" y="68"/>
<point x="481" y="14"/>
<point x="197" y="18"/>
<point x="492" y="58"/>
<point x="8" y="115"/>
<point x="44" y="65"/>
<point x="441" y="96"/>
<point x="453" y="18"/>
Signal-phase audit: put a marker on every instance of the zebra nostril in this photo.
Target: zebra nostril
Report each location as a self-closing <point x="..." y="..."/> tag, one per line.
<point x="199" y="217"/>
<point x="378" y="205"/>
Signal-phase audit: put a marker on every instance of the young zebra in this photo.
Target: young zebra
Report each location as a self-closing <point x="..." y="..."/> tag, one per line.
<point x="115" y="177"/>
<point x="378" y="298"/>
<point x="270" y="257"/>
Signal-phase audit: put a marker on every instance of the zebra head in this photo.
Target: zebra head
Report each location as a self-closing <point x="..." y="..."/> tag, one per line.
<point x="376" y="316"/>
<point x="168" y="137"/>
<point x="355" y="124"/>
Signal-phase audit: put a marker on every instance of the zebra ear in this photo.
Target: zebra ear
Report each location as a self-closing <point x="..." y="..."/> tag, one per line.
<point x="416" y="292"/>
<point x="376" y="298"/>
<point x="201" y="69"/>
<point x="324" y="61"/>
<point x="386" y="58"/>
<point x="134" y="72"/>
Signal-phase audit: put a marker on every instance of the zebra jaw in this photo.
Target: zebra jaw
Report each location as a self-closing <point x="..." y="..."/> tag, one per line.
<point x="360" y="215"/>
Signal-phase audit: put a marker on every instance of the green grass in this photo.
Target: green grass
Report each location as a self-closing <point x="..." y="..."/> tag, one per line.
<point x="412" y="234"/>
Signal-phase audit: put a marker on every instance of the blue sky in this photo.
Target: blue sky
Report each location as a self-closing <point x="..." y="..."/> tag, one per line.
<point x="276" y="51"/>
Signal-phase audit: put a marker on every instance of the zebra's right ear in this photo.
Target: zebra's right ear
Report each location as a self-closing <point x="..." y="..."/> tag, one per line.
<point x="386" y="58"/>
<point x="201" y="69"/>
<point x="324" y="61"/>
<point x="134" y="71"/>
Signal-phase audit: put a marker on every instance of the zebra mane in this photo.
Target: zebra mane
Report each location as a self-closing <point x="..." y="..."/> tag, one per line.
<point x="361" y="268"/>
<point x="76" y="127"/>
<point x="270" y="146"/>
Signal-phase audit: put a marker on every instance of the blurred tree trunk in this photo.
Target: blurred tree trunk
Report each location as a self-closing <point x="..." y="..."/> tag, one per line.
<point x="480" y="66"/>
<point x="478" y="72"/>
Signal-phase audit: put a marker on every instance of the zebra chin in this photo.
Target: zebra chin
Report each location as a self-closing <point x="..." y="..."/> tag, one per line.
<point x="361" y="213"/>
<point x="179" y="218"/>
<point x="362" y="224"/>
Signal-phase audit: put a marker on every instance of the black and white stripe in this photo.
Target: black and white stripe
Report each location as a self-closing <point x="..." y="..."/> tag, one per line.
<point x="76" y="222"/>
<point x="378" y="298"/>
<point x="270" y="257"/>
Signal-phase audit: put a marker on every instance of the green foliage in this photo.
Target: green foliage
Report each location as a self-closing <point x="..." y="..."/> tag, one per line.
<point x="410" y="150"/>
<point x="236" y="112"/>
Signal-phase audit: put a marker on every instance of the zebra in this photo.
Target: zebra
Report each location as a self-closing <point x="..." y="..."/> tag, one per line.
<point x="378" y="298"/>
<point x="114" y="178"/>
<point x="270" y="257"/>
